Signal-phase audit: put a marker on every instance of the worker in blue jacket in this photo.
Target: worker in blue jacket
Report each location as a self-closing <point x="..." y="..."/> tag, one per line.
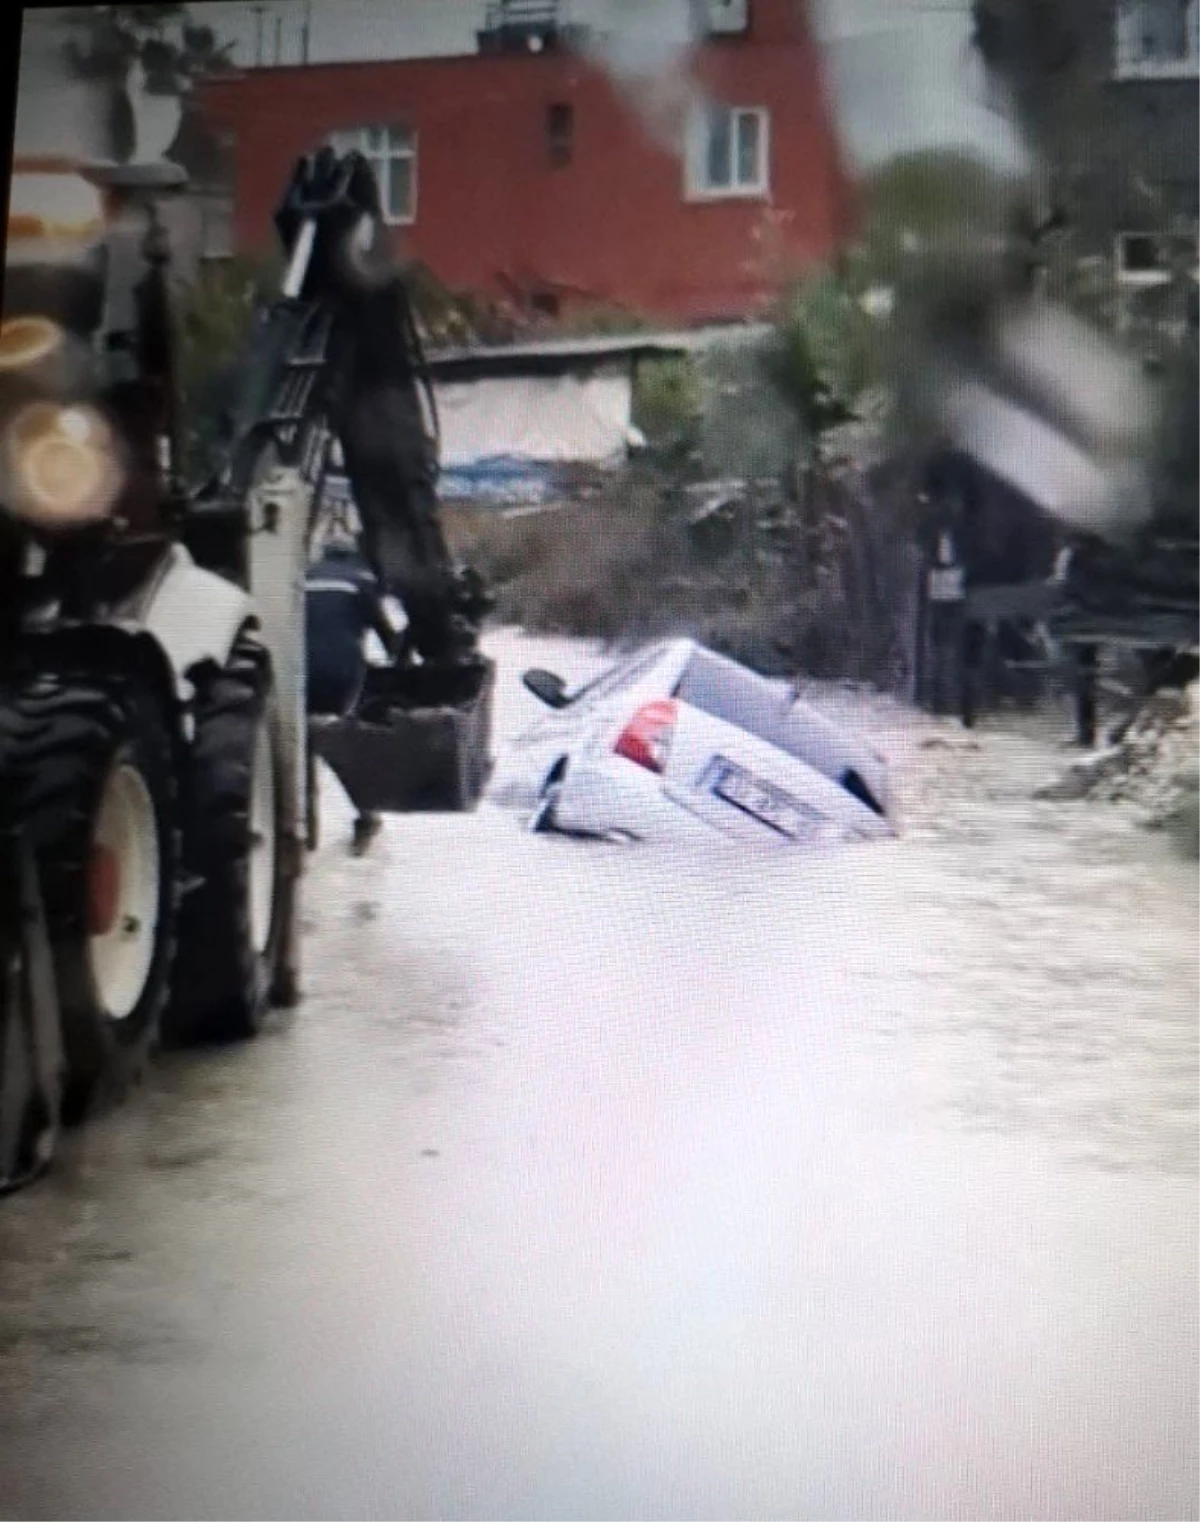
<point x="343" y="603"/>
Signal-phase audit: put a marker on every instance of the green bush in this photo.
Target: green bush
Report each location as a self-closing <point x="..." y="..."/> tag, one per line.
<point x="932" y="202"/>
<point x="448" y="318"/>
<point x="216" y="318"/>
<point x="666" y="399"/>
<point x="818" y="359"/>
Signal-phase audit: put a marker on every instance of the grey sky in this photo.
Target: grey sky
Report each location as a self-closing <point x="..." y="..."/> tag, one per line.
<point x="900" y="70"/>
<point x="903" y="76"/>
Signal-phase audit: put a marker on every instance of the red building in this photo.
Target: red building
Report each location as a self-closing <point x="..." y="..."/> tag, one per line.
<point x="523" y="173"/>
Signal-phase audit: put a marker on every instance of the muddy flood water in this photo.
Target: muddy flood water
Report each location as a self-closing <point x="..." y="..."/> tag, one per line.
<point x="605" y="1181"/>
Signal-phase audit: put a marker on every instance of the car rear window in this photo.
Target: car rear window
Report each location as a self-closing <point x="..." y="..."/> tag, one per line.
<point x="617" y="677"/>
<point x="766" y="709"/>
<point x="720" y="687"/>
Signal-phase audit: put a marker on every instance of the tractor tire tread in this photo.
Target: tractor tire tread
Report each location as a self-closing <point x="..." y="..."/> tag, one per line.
<point x="58" y="732"/>
<point x="223" y="988"/>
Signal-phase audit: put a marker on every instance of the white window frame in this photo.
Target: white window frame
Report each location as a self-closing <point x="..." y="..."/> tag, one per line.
<point x="358" y="140"/>
<point x="1126" y="23"/>
<point x="1172" y="248"/>
<point x="697" y="185"/>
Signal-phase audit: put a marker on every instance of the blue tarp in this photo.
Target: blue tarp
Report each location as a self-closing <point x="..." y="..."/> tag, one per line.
<point x="502" y="480"/>
<point x="497" y="478"/>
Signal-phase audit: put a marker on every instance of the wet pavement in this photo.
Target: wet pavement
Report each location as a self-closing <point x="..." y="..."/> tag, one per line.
<point x="592" y="1181"/>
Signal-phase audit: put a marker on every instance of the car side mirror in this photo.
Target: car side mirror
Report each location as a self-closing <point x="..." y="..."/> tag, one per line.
<point x="546" y="687"/>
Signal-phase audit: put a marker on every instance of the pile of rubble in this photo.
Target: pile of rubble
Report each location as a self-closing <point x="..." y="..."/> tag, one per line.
<point x="1154" y="765"/>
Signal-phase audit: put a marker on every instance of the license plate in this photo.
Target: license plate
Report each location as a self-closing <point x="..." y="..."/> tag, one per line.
<point x="771" y="806"/>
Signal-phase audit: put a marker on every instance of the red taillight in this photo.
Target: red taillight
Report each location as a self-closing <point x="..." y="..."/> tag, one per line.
<point x="646" y="739"/>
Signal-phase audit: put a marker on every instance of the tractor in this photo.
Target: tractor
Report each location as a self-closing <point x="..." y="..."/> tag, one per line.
<point x="153" y="721"/>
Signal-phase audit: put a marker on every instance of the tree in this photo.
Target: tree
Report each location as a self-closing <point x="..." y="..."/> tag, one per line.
<point x="216" y="321"/>
<point x="935" y="222"/>
<point x="174" y="51"/>
<point x="105" y="42"/>
<point x="923" y="204"/>
<point x="818" y="358"/>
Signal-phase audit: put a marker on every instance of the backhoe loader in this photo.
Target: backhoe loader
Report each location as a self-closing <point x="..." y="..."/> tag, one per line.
<point x="153" y="721"/>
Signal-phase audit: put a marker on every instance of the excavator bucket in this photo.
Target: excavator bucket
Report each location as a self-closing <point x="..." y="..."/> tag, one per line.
<point x="417" y="742"/>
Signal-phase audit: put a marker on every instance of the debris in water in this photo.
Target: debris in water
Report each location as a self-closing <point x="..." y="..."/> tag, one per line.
<point x="1154" y="766"/>
<point x="950" y="742"/>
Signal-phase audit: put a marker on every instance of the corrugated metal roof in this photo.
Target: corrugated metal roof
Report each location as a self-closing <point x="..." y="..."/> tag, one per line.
<point x="565" y="352"/>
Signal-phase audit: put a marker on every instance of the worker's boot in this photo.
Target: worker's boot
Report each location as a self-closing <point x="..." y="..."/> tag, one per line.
<point x="366" y="827"/>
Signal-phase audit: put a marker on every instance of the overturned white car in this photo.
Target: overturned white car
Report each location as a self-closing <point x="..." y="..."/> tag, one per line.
<point x="676" y="739"/>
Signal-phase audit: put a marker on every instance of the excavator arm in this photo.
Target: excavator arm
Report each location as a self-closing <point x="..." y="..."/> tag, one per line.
<point x="338" y="355"/>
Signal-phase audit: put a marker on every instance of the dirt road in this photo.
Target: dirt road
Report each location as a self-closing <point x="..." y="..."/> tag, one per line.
<point x="597" y="1181"/>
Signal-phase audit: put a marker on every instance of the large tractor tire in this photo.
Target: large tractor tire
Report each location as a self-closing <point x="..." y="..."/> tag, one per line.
<point x="88" y="768"/>
<point x="234" y="921"/>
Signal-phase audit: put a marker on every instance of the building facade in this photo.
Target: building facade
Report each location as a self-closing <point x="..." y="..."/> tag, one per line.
<point x="532" y="174"/>
<point x="1108" y="92"/>
<point x="1146" y="181"/>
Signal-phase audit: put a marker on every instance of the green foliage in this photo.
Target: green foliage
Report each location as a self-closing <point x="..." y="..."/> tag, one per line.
<point x="785" y="586"/>
<point x="933" y="218"/>
<point x="174" y="50"/>
<point x="666" y="399"/>
<point x="923" y="202"/>
<point x="831" y="357"/>
<point x="748" y="428"/>
<point x="600" y="322"/>
<point x="447" y="318"/>
<point x="822" y="354"/>
<point x="215" y="322"/>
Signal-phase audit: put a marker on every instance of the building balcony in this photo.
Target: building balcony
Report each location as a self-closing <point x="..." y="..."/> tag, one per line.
<point x="527" y="26"/>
